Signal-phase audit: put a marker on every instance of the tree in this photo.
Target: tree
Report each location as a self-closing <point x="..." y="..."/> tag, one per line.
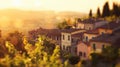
<point x="16" y="39"/>
<point x="90" y="13"/>
<point x="63" y="25"/>
<point x="98" y="12"/>
<point x="95" y="59"/>
<point x="115" y="10"/>
<point x="56" y="55"/>
<point x="74" y="60"/>
<point x="11" y="49"/>
<point x="110" y="54"/>
<point x="119" y="10"/>
<point x="106" y="10"/>
<point x="49" y="45"/>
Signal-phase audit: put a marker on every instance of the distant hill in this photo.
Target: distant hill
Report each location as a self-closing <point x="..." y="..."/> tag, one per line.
<point x="15" y="19"/>
<point x="16" y="13"/>
<point x="70" y="14"/>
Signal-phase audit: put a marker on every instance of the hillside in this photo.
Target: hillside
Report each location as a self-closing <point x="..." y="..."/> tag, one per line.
<point x="14" y="19"/>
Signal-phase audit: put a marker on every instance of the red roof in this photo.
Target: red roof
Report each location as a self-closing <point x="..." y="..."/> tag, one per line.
<point x="107" y="38"/>
<point x="90" y="20"/>
<point x="111" y="25"/>
<point x="95" y="31"/>
<point x="70" y="30"/>
<point x="78" y="34"/>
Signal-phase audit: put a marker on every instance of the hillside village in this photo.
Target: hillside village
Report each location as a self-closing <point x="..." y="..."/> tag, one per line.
<point x="89" y="35"/>
<point x="63" y="39"/>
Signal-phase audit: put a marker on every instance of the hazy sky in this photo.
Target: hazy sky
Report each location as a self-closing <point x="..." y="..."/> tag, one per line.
<point x="57" y="5"/>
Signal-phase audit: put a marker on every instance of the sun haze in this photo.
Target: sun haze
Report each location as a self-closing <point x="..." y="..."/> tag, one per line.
<point x="56" y="5"/>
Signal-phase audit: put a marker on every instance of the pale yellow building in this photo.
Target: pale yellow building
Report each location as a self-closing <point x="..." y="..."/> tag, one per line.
<point x="69" y="39"/>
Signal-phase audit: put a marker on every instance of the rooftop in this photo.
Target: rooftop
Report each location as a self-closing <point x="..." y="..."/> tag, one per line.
<point x="107" y="38"/>
<point x="111" y="25"/>
<point x="78" y="34"/>
<point x="95" y="31"/>
<point x="48" y="32"/>
<point x="70" y="30"/>
<point x="90" y="20"/>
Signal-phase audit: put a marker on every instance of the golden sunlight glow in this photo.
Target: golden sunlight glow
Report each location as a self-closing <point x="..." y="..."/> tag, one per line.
<point x="57" y="5"/>
<point x="16" y="3"/>
<point x="18" y="23"/>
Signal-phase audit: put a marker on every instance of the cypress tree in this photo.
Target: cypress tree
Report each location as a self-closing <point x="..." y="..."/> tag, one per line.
<point x="116" y="11"/>
<point x="106" y="10"/>
<point x="98" y="12"/>
<point x="119" y="10"/>
<point x="90" y="13"/>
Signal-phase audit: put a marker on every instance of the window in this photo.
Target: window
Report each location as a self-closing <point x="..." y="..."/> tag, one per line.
<point x="86" y="38"/>
<point x="84" y="54"/>
<point x="63" y="37"/>
<point x="94" y="46"/>
<point x="68" y="37"/>
<point x="80" y="53"/>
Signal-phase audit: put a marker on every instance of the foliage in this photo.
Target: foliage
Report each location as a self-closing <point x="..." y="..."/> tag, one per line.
<point x="63" y="25"/>
<point x="16" y="39"/>
<point x="106" y="10"/>
<point x="98" y="12"/>
<point x="95" y="58"/>
<point x="74" y="60"/>
<point x="35" y="55"/>
<point x="113" y="12"/>
<point x="11" y="49"/>
<point x="116" y="9"/>
<point x="49" y="45"/>
<point x="108" y="56"/>
<point x="110" y="18"/>
<point x="90" y="13"/>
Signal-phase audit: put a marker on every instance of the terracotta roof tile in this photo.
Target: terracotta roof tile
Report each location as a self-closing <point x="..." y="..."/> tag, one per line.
<point x="78" y="34"/>
<point x="111" y="25"/>
<point x="70" y="30"/>
<point x="108" y="38"/>
<point x="95" y="31"/>
<point x="90" y="20"/>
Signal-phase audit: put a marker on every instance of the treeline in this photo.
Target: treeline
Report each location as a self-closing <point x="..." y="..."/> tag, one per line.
<point x="106" y="12"/>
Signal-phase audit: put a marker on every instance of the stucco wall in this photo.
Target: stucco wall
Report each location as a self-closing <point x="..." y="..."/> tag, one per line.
<point x="99" y="46"/>
<point x="65" y="42"/>
<point x="82" y="47"/>
<point x="80" y="26"/>
<point x="105" y="31"/>
<point x="98" y="24"/>
<point x="89" y="26"/>
<point x="90" y="36"/>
